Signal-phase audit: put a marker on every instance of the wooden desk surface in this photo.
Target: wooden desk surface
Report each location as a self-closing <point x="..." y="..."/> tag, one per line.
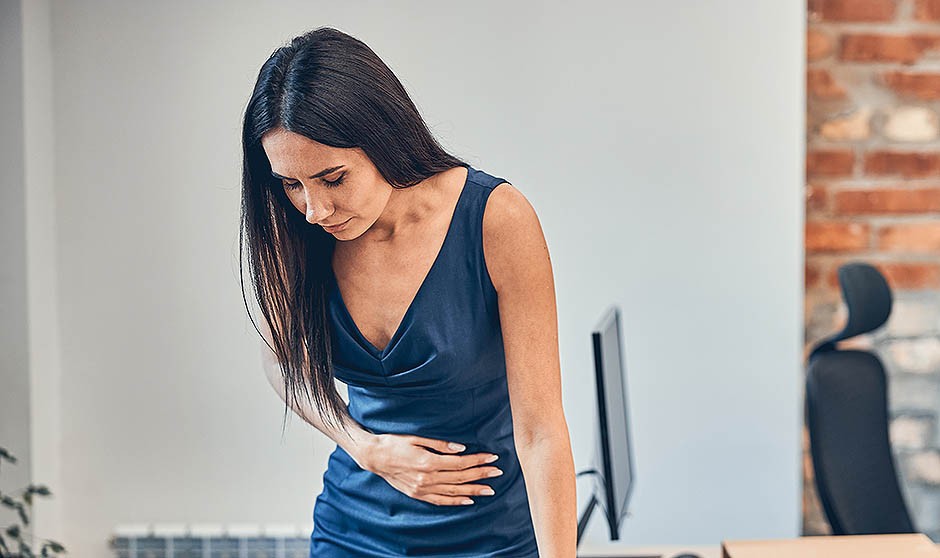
<point x="620" y="550"/>
<point x="854" y="546"/>
<point x="858" y="546"/>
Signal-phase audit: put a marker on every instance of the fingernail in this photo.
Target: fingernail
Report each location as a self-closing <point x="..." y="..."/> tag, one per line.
<point x="496" y="473"/>
<point x="492" y="458"/>
<point x="487" y="492"/>
<point x="467" y="502"/>
<point x="456" y="447"/>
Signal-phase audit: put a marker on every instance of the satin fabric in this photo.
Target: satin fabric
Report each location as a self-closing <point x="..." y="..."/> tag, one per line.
<point x="442" y="375"/>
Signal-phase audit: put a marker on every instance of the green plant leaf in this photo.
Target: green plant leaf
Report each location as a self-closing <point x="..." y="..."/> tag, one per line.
<point x="4" y="454"/>
<point x="55" y="546"/>
<point x="20" y="509"/>
<point x="13" y="532"/>
<point x="40" y="489"/>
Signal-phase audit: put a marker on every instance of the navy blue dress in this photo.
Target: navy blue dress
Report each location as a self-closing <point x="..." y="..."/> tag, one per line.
<point x="442" y="375"/>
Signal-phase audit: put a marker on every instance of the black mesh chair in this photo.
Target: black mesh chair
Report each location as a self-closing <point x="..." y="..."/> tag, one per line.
<point x="847" y="418"/>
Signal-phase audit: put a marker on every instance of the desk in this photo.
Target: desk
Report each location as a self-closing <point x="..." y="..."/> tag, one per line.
<point x="912" y="545"/>
<point x="617" y="549"/>
<point x="811" y="546"/>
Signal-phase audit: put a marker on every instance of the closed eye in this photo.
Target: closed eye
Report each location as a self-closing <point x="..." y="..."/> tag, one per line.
<point x="329" y="183"/>
<point x="336" y="182"/>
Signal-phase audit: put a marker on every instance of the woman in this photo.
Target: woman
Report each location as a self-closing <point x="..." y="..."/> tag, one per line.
<point x="425" y="286"/>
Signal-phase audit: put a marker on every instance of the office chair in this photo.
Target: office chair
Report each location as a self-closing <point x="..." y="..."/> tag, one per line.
<point x="847" y="417"/>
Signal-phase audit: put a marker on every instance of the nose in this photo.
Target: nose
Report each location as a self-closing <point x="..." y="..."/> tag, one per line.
<point x="316" y="210"/>
<point x="316" y="217"/>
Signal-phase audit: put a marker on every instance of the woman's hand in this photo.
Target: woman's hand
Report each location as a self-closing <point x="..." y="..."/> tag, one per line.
<point x="407" y="464"/>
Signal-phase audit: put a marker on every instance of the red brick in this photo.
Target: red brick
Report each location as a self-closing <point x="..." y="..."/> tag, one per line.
<point x="818" y="45"/>
<point x="852" y="10"/>
<point x="832" y="274"/>
<point x="927" y="10"/>
<point x="924" y="85"/>
<point x="874" y="47"/>
<point x="830" y="162"/>
<point x="836" y="236"/>
<point x="817" y="199"/>
<point x="811" y="276"/>
<point x="906" y="164"/>
<point x="858" y="202"/>
<point x="910" y="237"/>
<point x="913" y="275"/>
<point x="819" y="84"/>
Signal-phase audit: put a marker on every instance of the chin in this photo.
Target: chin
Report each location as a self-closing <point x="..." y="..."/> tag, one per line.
<point x="345" y="234"/>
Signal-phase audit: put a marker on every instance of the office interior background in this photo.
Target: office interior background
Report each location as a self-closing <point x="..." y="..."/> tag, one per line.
<point x="706" y="166"/>
<point x="872" y="194"/>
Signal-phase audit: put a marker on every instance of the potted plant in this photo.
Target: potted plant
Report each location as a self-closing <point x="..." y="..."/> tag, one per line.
<point x="14" y="534"/>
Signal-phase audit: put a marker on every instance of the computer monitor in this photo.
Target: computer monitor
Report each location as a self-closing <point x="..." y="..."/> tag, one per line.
<point x="612" y="464"/>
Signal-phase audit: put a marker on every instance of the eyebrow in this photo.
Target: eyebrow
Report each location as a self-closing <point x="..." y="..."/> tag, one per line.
<point x="323" y="172"/>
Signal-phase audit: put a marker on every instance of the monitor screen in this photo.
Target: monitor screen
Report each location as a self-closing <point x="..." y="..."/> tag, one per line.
<point x="613" y="457"/>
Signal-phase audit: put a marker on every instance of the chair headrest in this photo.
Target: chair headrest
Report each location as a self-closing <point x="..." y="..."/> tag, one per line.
<point x="867" y="299"/>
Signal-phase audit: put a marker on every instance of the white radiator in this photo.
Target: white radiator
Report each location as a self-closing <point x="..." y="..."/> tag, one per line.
<point x="211" y="540"/>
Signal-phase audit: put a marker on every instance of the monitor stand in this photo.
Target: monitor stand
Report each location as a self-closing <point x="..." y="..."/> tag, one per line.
<point x="582" y="525"/>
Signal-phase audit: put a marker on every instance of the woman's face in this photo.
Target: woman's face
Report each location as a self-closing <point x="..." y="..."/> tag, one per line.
<point x="351" y="192"/>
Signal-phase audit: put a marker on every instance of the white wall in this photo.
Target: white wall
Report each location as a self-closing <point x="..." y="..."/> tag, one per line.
<point x="14" y="355"/>
<point x="675" y="131"/>
<point x="45" y="371"/>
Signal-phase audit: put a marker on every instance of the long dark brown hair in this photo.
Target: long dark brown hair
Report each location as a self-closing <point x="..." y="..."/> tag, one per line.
<point x="332" y="88"/>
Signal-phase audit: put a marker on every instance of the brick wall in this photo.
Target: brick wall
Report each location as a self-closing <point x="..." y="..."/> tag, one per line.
<point x="873" y="194"/>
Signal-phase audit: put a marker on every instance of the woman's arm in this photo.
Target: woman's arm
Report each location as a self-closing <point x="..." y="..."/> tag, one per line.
<point x="358" y="443"/>
<point x="519" y="266"/>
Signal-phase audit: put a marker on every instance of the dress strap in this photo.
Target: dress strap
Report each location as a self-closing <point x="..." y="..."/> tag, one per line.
<point x="483" y="185"/>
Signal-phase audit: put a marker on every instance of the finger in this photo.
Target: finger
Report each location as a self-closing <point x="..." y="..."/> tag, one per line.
<point x="461" y="462"/>
<point x="442" y="446"/>
<point x="467" y="475"/>
<point x="460" y="490"/>
<point x="448" y="500"/>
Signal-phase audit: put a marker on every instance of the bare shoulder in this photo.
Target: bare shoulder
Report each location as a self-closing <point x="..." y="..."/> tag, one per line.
<point x="512" y="234"/>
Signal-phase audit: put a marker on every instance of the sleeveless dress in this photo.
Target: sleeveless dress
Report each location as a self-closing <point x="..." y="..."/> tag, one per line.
<point x="442" y="375"/>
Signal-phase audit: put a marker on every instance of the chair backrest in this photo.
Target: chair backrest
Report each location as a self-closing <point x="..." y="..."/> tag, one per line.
<point x="847" y="418"/>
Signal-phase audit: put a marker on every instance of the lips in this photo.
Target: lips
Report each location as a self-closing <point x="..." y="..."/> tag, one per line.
<point x="331" y="228"/>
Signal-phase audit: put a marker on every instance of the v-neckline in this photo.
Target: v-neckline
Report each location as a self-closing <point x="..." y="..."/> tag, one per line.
<point x="393" y="340"/>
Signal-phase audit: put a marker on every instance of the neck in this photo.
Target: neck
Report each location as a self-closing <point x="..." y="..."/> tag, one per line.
<point x="406" y="207"/>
